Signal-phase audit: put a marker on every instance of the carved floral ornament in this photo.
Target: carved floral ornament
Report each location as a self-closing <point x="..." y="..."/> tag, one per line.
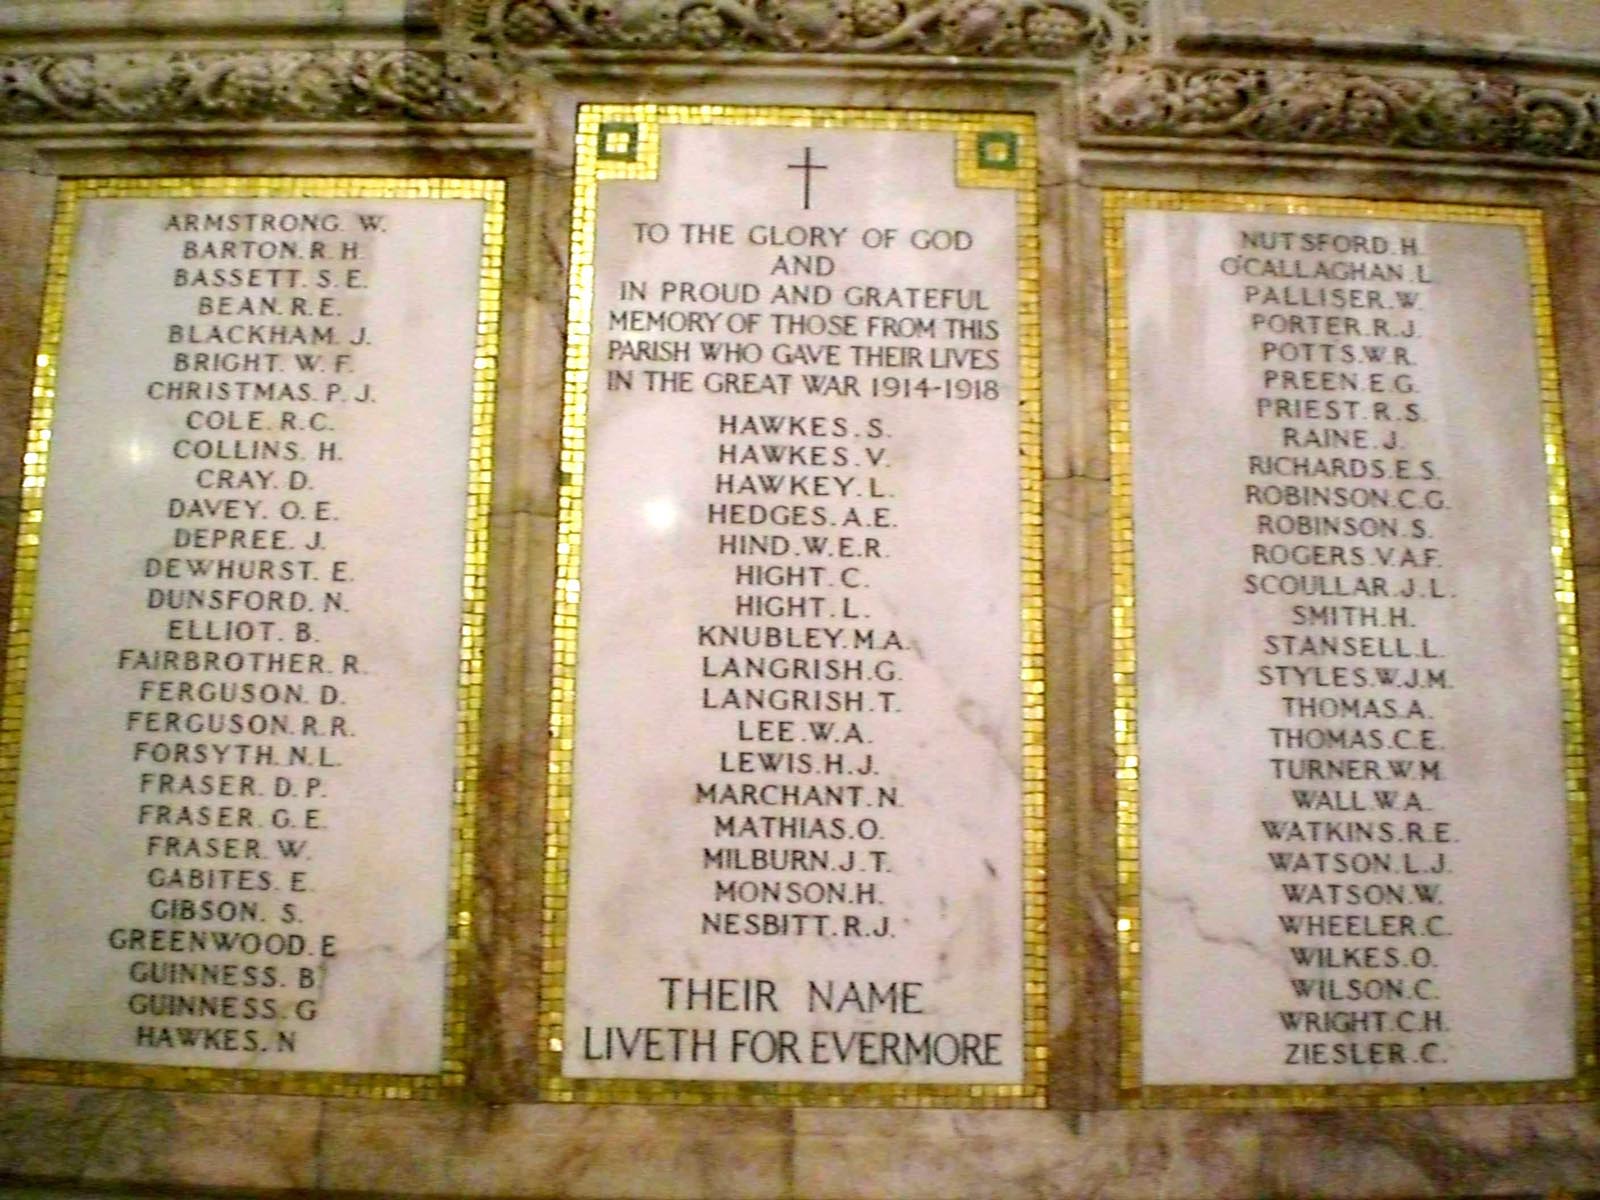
<point x="1470" y="113"/>
<point x="1046" y="29"/>
<point x="473" y="77"/>
<point x="273" y="85"/>
<point x="264" y="85"/>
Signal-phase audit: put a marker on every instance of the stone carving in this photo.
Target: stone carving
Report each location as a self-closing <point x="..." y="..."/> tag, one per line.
<point x="262" y="85"/>
<point x="472" y="79"/>
<point x="1468" y="113"/>
<point x="1049" y="29"/>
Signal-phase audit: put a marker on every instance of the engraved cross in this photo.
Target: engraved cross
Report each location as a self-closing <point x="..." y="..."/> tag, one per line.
<point x="806" y="165"/>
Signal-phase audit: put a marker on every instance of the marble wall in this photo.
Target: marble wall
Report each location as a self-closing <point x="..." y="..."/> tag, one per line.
<point x="1155" y="95"/>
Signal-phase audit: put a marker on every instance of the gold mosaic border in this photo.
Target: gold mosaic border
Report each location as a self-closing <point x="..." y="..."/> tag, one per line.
<point x="469" y="682"/>
<point x="1586" y="1083"/>
<point x="596" y="160"/>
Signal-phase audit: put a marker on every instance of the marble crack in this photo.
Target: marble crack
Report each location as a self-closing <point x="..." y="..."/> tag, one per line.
<point x="1190" y="905"/>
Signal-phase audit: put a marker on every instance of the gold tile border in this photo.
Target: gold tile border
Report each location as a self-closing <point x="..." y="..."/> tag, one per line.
<point x="465" y="800"/>
<point x="1133" y="1092"/>
<point x="591" y="167"/>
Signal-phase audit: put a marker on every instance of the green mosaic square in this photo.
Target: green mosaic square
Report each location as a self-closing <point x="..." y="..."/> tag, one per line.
<point x="619" y="141"/>
<point x="997" y="150"/>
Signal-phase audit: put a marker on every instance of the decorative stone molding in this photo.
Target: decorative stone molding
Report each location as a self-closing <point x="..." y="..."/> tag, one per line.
<point x="156" y="87"/>
<point x="1470" y="113"/>
<point x="469" y="73"/>
<point x="1045" y="29"/>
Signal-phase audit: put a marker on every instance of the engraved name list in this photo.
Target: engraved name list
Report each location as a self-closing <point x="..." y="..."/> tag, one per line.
<point x="1352" y="793"/>
<point x="237" y="780"/>
<point x="803" y="420"/>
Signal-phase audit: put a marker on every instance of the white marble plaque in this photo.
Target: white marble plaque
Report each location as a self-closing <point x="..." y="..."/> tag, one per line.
<point x="234" y="817"/>
<point x="797" y="814"/>
<point x="1352" y="805"/>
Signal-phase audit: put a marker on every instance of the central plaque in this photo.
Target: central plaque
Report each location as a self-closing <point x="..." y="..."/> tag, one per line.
<point x="795" y="826"/>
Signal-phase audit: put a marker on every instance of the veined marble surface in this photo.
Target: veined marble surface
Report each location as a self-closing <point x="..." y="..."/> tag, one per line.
<point x="237" y="779"/>
<point x="1352" y="799"/>
<point x="494" y="1140"/>
<point x="803" y="430"/>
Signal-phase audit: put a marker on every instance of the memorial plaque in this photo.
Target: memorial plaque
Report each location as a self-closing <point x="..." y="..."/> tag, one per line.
<point x="246" y="651"/>
<point x="1352" y="788"/>
<point x="796" y="810"/>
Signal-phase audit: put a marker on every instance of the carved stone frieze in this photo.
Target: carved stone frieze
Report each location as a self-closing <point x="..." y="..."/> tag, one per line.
<point x="1047" y="29"/>
<point x="264" y="85"/>
<point x="471" y="74"/>
<point x="1467" y="113"/>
